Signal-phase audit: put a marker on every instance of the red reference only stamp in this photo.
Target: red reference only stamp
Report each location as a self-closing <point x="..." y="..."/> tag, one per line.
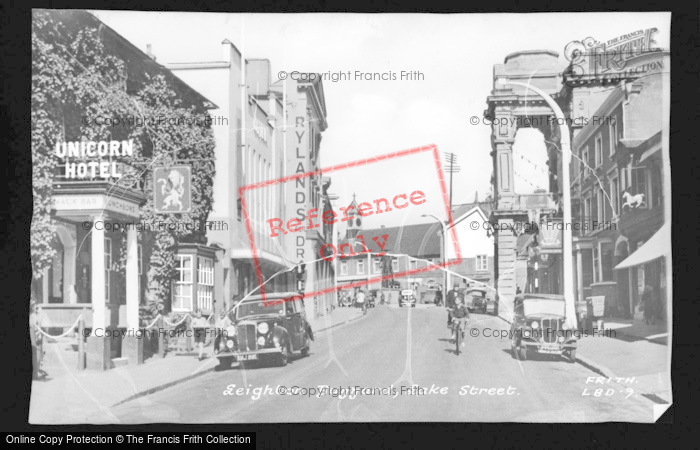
<point x="275" y="227"/>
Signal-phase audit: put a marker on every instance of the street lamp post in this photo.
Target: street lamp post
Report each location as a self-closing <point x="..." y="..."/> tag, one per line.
<point x="443" y="252"/>
<point x="567" y="238"/>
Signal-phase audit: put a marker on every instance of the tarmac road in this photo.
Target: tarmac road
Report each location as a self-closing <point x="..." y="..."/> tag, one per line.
<point x="387" y="351"/>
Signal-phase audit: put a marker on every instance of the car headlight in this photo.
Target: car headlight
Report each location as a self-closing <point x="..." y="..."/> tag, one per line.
<point x="561" y="339"/>
<point x="263" y="328"/>
<point x="229" y="344"/>
<point x="230" y="331"/>
<point x="534" y="325"/>
<point x="261" y="340"/>
<point x="565" y="326"/>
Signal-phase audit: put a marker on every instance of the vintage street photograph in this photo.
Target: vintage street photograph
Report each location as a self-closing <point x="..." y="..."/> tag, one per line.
<point x="250" y="218"/>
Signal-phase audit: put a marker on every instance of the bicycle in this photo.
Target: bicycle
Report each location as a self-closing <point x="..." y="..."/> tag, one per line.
<point x="458" y="331"/>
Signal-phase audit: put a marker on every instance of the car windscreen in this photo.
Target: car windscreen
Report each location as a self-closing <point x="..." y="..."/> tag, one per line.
<point x="533" y="306"/>
<point x="255" y="308"/>
<point x="477" y="293"/>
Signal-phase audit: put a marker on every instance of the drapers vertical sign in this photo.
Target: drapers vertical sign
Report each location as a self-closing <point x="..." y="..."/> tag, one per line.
<point x="301" y="185"/>
<point x="172" y="190"/>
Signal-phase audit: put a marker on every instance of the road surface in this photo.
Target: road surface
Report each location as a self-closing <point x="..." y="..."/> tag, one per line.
<point x="385" y="353"/>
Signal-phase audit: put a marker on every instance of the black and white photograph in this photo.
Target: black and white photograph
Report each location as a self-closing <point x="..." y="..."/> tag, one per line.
<point x="259" y="218"/>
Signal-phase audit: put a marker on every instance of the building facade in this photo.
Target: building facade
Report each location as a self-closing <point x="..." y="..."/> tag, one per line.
<point x="101" y="246"/>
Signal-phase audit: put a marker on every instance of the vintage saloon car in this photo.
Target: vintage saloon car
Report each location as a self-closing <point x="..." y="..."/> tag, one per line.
<point x="539" y="326"/>
<point x="475" y="300"/>
<point x="268" y="330"/>
<point x="407" y="297"/>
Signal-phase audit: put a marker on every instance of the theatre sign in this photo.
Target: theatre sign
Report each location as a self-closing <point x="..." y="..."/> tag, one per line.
<point x="628" y="56"/>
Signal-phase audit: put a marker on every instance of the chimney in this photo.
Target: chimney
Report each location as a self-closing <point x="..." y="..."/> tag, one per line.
<point x="149" y="52"/>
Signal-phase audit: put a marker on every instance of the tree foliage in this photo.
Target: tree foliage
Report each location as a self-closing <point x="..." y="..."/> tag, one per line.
<point x="75" y="77"/>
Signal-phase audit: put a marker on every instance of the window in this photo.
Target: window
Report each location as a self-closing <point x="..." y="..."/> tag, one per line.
<point x="205" y="283"/>
<point x="139" y="258"/>
<point x="606" y="261"/>
<point x="482" y="262"/>
<point x="655" y="187"/>
<point x="615" y="195"/>
<point x="108" y="266"/>
<point x="640" y="183"/>
<point x="377" y="263"/>
<point x="586" y="162"/>
<point x="360" y="266"/>
<point x="596" y="259"/>
<point x="598" y="151"/>
<point x="587" y="213"/>
<point x="613" y="136"/>
<point x="395" y="265"/>
<point x="600" y="198"/>
<point x="182" y="300"/>
<point x="344" y="268"/>
<point x="413" y="264"/>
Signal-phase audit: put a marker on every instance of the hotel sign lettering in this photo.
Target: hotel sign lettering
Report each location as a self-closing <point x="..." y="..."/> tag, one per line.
<point x="95" y="203"/>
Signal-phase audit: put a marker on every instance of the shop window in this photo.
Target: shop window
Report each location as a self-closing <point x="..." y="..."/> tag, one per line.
<point x="205" y="283"/>
<point x="182" y="295"/>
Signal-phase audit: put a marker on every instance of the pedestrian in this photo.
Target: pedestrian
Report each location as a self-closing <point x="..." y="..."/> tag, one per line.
<point x="381" y="297"/>
<point x="37" y="341"/>
<point x="450" y="302"/>
<point x="649" y="305"/>
<point x="359" y="298"/>
<point x="200" y="326"/>
<point x="517" y="290"/>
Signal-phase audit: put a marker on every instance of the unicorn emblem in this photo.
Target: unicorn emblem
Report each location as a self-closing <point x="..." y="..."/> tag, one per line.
<point x="173" y="188"/>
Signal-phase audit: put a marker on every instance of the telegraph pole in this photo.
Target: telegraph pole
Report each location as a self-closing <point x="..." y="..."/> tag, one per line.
<point x="453" y="168"/>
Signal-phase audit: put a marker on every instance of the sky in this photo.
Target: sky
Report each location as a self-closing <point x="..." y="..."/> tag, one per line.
<point x="454" y="52"/>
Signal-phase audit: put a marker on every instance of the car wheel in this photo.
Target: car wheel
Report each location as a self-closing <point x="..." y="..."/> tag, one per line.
<point x="283" y="357"/>
<point x="513" y="349"/>
<point x="522" y="351"/>
<point x="572" y="356"/>
<point x="305" y="351"/>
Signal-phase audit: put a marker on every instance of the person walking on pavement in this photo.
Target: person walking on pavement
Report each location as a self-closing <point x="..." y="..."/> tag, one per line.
<point x="649" y="303"/>
<point x="37" y="341"/>
<point x="450" y="303"/>
<point x="200" y="326"/>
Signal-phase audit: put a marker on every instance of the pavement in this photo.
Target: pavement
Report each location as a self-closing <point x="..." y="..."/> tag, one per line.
<point x="630" y="348"/>
<point x="399" y="365"/>
<point x="68" y="395"/>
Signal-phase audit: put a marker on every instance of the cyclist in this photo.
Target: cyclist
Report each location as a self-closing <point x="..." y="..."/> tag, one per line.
<point x="460" y="316"/>
<point x="450" y="303"/>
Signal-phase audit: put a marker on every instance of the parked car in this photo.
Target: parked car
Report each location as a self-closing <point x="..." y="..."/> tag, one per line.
<point x="430" y="295"/>
<point x="539" y="326"/>
<point x="269" y="330"/>
<point x="476" y="300"/>
<point x="407" y="297"/>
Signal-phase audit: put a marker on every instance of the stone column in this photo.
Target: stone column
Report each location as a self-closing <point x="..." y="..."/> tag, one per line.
<point x="506" y="265"/>
<point x="98" y="346"/>
<point x="132" y="345"/>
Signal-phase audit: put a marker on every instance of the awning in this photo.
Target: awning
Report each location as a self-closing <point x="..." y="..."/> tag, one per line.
<point x="659" y="245"/>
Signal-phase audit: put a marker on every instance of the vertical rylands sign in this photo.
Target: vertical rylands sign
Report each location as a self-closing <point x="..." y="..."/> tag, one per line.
<point x="300" y="163"/>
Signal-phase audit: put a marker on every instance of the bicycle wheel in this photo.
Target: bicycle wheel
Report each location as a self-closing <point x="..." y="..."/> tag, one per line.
<point x="458" y="334"/>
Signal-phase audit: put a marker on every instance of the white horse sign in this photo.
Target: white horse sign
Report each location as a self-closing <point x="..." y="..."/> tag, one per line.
<point x="172" y="190"/>
<point x="633" y="201"/>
